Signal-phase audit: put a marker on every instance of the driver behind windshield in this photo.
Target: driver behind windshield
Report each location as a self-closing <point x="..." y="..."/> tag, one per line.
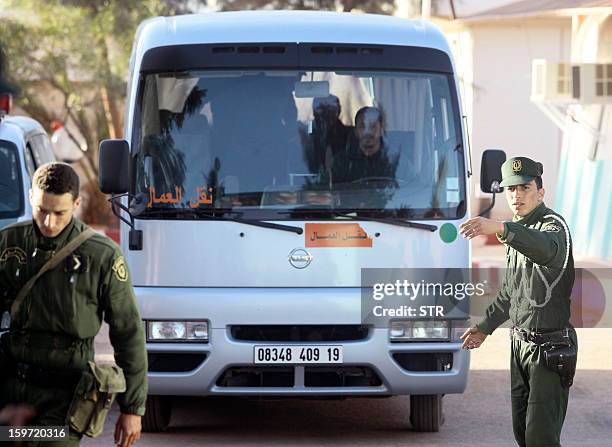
<point x="367" y="157"/>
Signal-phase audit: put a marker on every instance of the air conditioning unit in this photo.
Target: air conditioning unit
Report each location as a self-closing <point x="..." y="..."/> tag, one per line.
<point x="551" y="81"/>
<point x="592" y="83"/>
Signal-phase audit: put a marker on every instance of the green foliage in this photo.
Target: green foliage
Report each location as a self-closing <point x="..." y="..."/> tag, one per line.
<point x="77" y="48"/>
<point x="373" y="6"/>
<point x="70" y="59"/>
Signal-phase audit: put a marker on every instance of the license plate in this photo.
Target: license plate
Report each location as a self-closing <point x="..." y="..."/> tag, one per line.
<point x="282" y="355"/>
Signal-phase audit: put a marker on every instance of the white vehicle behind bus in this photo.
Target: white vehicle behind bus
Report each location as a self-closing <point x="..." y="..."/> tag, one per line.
<point x="24" y="145"/>
<point x="251" y="206"/>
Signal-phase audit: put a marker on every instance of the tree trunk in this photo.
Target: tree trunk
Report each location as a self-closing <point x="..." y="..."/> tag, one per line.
<point x="107" y="105"/>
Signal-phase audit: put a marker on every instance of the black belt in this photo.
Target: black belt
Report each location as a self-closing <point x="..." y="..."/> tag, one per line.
<point x="541" y="338"/>
<point x="46" y="378"/>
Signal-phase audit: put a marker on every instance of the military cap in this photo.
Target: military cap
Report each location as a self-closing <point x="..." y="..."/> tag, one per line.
<point x="520" y="170"/>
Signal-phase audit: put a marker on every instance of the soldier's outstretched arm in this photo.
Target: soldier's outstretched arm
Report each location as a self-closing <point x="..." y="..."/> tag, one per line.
<point x="126" y="335"/>
<point x="480" y="226"/>
<point x="546" y="246"/>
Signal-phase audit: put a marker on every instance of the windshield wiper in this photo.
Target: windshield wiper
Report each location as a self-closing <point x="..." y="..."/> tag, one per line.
<point x="217" y="214"/>
<point x="385" y="220"/>
<point x="390" y="221"/>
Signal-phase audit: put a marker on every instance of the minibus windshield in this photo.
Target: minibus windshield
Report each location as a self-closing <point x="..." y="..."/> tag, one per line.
<point x="265" y="142"/>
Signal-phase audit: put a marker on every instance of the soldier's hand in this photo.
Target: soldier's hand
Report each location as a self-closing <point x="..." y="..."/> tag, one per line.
<point x="127" y="430"/>
<point x="16" y="415"/>
<point x="480" y="226"/>
<point x="473" y="338"/>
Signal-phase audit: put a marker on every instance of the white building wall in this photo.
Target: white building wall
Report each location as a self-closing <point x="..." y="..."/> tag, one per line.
<point x="503" y="115"/>
<point x="463" y="8"/>
<point x="585" y="184"/>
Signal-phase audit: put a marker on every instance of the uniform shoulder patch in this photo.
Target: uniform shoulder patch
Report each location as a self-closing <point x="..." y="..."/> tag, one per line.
<point x="551" y="227"/>
<point x="14" y="252"/>
<point x="120" y="269"/>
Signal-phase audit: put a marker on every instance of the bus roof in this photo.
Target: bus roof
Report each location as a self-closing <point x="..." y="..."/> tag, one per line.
<point x="288" y="26"/>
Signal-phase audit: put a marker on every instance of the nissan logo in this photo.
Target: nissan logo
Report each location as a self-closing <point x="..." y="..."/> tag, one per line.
<point x="300" y="258"/>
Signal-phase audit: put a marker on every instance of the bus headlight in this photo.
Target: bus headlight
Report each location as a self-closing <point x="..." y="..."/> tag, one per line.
<point x="197" y="330"/>
<point x="408" y="330"/>
<point x="177" y="330"/>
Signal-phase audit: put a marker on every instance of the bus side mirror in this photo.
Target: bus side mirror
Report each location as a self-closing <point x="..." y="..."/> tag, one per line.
<point x="114" y="166"/>
<point x="490" y="170"/>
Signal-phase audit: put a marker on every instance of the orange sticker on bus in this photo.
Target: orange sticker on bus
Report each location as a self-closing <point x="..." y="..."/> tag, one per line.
<point x="336" y="235"/>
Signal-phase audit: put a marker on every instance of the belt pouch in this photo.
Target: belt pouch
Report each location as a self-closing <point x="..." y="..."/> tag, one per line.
<point x="93" y="398"/>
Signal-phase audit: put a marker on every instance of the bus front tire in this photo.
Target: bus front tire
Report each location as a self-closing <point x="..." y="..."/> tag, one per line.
<point x="158" y="411"/>
<point x="426" y="412"/>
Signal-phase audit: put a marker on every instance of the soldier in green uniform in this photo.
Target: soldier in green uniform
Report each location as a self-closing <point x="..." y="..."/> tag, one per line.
<point x="535" y="296"/>
<point x="51" y="336"/>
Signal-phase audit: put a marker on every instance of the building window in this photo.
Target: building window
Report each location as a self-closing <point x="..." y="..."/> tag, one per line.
<point x="564" y="79"/>
<point x="603" y="79"/>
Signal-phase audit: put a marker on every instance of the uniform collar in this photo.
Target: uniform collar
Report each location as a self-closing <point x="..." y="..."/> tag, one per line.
<point x="48" y="243"/>
<point x="533" y="216"/>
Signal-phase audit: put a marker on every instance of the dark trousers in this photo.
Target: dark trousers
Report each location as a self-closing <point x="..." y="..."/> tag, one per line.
<point x="539" y="402"/>
<point x="50" y="406"/>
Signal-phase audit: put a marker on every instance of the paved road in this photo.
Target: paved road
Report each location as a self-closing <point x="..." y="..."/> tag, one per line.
<point x="478" y="418"/>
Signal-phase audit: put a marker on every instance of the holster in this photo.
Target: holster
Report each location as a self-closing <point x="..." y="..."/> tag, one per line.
<point x="561" y="358"/>
<point x="93" y="398"/>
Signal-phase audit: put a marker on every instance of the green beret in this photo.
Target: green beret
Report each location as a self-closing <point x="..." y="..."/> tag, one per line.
<point x="520" y="170"/>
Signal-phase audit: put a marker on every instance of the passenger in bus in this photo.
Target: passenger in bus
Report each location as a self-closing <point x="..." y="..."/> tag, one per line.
<point x="366" y="157"/>
<point x="328" y="136"/>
